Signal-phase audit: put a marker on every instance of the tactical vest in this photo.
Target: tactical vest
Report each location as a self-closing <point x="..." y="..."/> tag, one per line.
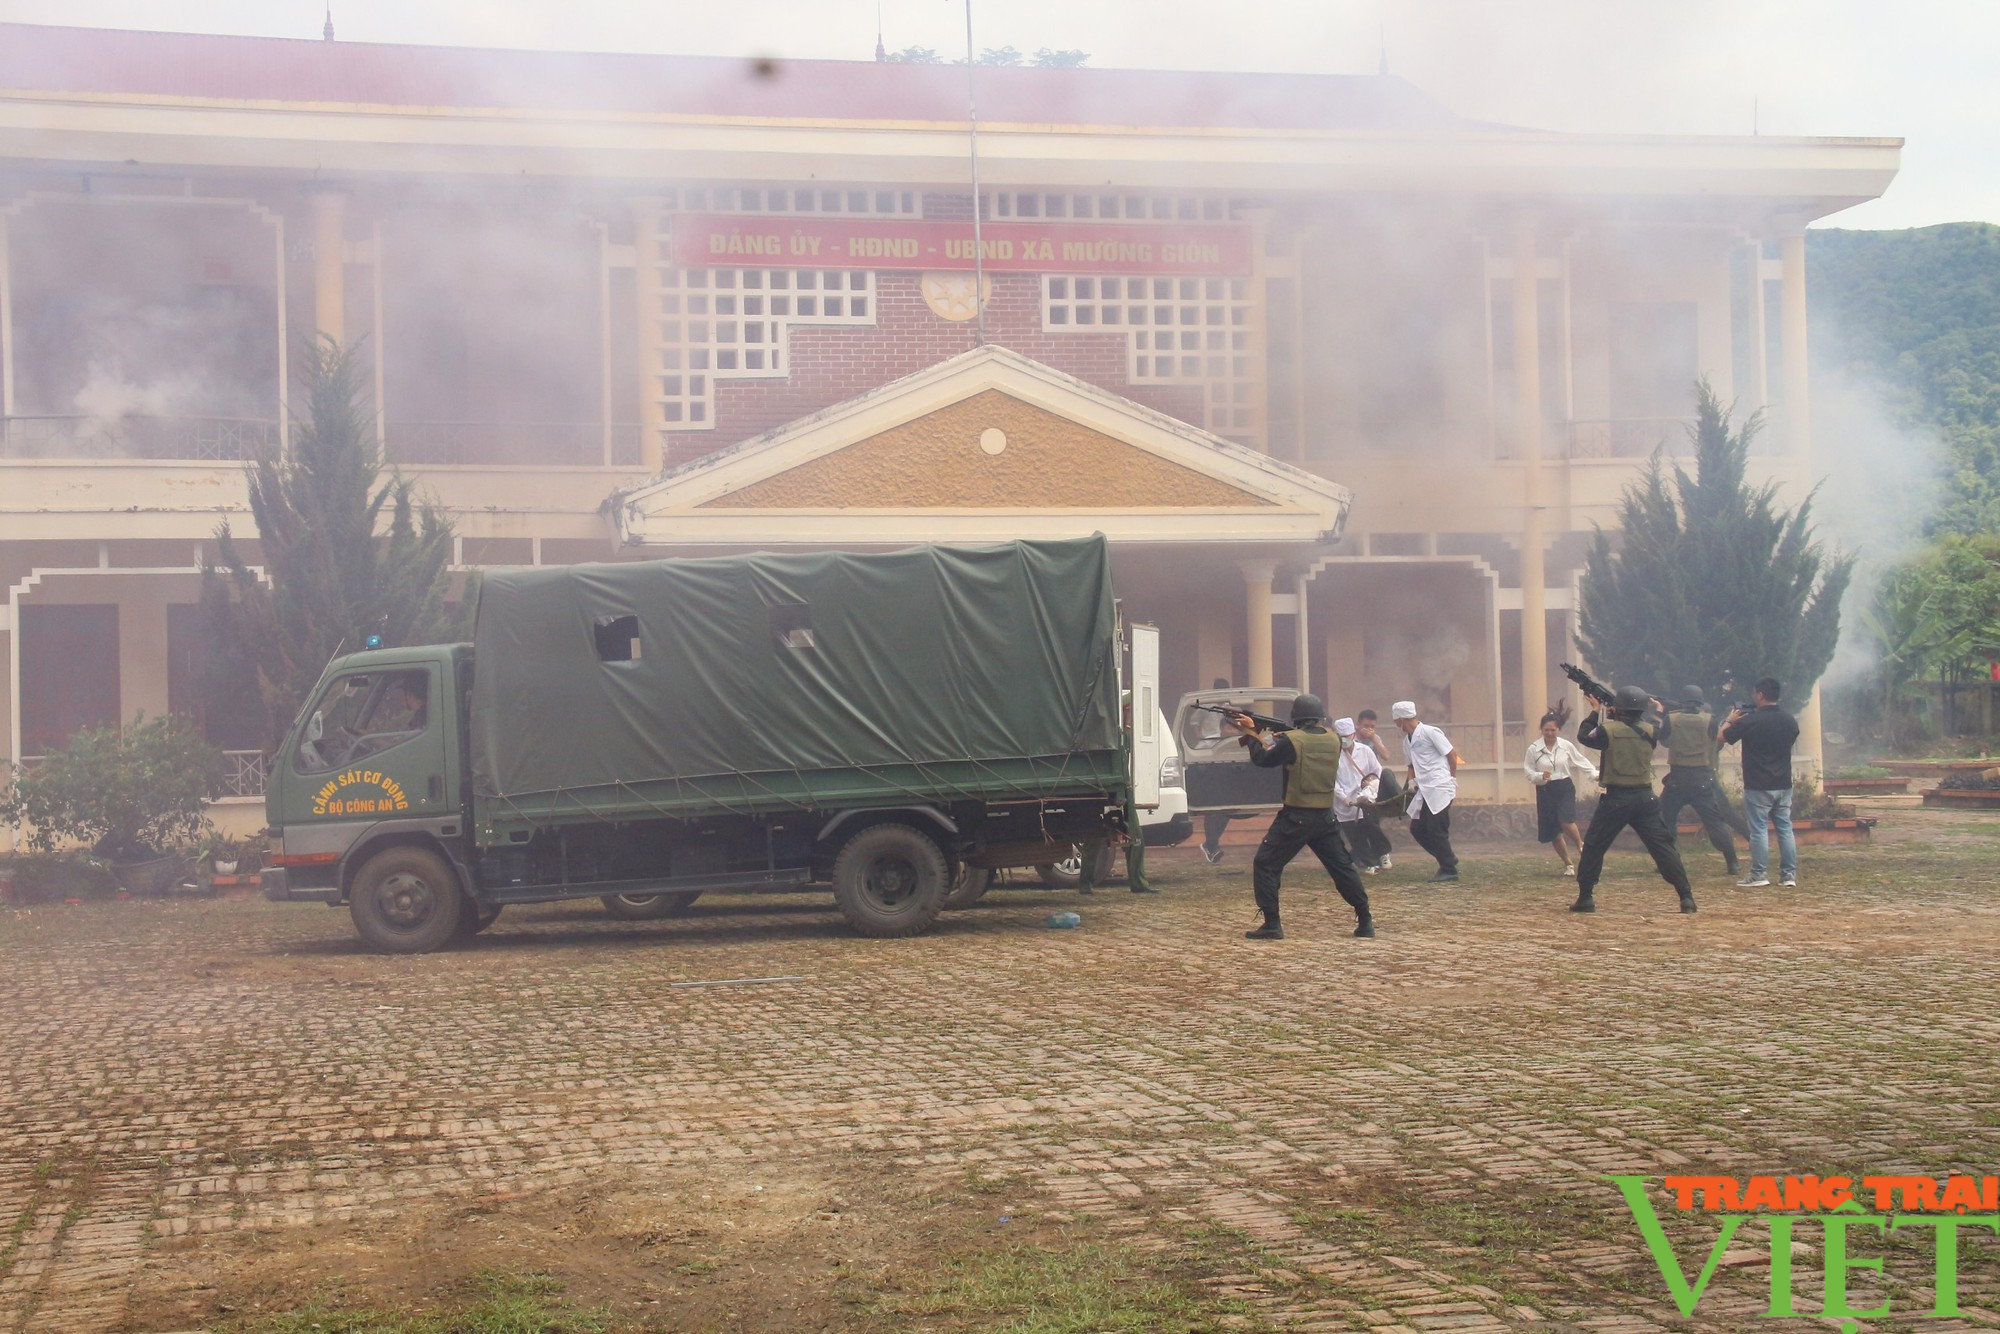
<point x="1628" y="760"/>
<point x="1309" y="778"/>
<point x="1687" y="745"/>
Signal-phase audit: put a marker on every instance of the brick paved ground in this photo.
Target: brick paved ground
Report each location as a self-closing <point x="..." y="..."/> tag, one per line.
<point x="1406" y="1133"/>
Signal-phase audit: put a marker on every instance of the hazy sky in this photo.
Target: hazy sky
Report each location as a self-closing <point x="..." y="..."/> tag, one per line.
<point x="1919" y="69"/>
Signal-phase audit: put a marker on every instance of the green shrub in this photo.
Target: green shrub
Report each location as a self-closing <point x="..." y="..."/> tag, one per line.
<point x="125" y="794"/>
<point x="51" y="879"/>
<point x="1863" y="771"/>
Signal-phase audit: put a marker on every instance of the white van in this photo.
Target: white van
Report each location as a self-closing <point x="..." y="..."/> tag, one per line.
<point x="1216" y="772"/>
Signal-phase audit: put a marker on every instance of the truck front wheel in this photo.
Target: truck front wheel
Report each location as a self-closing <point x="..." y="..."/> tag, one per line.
<point x="406" y="901"/>
<point x="645" y="907"/>
<point x="889" y="880"/>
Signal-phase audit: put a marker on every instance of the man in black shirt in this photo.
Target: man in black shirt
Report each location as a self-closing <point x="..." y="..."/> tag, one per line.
<point x="1767" y="733"/>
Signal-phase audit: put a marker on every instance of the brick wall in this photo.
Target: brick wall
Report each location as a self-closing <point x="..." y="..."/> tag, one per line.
<point x="830" y="365"/>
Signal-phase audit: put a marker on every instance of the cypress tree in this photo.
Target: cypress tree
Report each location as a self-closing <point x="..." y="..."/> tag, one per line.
<point x="1713" y="581"/>
<point x="332" y="576"/>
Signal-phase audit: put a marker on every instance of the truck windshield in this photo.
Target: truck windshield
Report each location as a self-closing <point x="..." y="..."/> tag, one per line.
<point x="363" y="713"/>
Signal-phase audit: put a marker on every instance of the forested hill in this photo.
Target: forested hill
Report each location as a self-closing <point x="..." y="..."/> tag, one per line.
<point x="1918" y="313"/>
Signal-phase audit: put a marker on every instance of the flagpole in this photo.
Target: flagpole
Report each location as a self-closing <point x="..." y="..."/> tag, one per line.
<point x="978" y="245"/>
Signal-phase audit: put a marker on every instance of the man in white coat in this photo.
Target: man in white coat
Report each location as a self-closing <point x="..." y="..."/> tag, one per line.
<point x="1356" y="781"/>
<point x="1434" y="786"/>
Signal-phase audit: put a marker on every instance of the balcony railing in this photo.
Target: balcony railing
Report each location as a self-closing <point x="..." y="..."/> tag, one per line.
<point x="1603" y="438"/>
<point x="243" y="774"/>
<point x="227" y="439"/>
<point x="577" y="444"/>
<point x="1625" y="437"/>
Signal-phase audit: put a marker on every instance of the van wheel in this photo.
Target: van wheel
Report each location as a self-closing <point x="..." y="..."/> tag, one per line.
<point x="406" y="901"/>
<point x="646" y="907"/>
<point x="889" y="880"/>
<point x="970" y="887"/>
<point x="1065" y="873"/>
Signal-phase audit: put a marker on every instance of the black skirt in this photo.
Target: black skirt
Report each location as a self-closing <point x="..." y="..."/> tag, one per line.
<point x="1555" y="806"/>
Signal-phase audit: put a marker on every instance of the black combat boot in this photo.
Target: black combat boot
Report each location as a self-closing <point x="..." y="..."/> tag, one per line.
<point x="1271" y="930"/>
<point x="1687" y="901"/>
<point x="1365" y="928"/>
<point x="1584" y="903"/>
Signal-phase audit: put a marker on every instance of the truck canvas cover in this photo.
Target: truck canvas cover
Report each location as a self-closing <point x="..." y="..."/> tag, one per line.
<point x="766" y="682"/>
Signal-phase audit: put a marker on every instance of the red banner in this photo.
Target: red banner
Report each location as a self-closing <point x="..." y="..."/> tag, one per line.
<point x="708" y="240"/>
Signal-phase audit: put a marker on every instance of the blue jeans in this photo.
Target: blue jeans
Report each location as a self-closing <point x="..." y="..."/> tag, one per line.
<point x="1766" y="807"/>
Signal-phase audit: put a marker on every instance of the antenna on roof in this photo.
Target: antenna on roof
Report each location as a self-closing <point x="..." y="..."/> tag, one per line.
<point x="327" y="31"/>
<point x="881" y="51"/>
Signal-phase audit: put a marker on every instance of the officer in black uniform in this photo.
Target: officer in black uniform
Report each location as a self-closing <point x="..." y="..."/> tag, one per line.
<point x="1691" y="777"/>
<point x="1310" y="756"/>
<point x="1627" y="739"/>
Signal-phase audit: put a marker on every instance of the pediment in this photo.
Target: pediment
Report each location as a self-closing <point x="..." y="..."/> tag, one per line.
<point x="987" y="444"/>
<point x="989" y="451"/>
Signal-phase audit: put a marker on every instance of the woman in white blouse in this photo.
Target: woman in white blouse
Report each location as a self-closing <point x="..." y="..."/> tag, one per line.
<point x="1553" y="760"/>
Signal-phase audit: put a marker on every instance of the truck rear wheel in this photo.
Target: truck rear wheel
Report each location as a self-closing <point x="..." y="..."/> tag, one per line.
<point x="406" y="901"/>
<point x="889" y="880"/>
<point x="970" y="887"/>
<point x="645" y="907"/>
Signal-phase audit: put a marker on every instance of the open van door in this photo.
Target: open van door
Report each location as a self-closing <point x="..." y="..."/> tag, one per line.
<point x="1148" y="743"/>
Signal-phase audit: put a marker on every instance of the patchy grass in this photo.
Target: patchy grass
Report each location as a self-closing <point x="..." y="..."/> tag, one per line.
<point x="1080" y="1288"/>
<point x="493" y="1303"/>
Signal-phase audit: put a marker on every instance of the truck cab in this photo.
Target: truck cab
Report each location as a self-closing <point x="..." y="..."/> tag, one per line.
<point x="374" y="760"/>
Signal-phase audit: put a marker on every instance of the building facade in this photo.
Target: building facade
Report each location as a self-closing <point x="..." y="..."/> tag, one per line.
<point x="1348" y="380"/>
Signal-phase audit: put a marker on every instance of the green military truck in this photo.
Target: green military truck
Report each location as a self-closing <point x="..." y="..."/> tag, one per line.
<point x="647" y="732"/>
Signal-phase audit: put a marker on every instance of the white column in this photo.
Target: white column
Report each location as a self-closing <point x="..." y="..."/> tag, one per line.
<point x="1798" y="435"/>
<point x="329" y="210"/>
<point x="1528" y="440"/>
<point x="646" y="301"/>
<point x="1257" y="619"/>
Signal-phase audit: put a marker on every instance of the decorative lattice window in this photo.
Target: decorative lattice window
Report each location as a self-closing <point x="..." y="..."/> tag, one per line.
<point x="1106" y="207"/>
<point x="723" y="324"/>
<point x="1188" y="331"/>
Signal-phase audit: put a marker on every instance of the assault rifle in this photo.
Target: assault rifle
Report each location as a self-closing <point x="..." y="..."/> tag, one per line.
<point x="1599" y="693"/>
<point x="1592" y="688"/>
<point x="1264" y="722"/>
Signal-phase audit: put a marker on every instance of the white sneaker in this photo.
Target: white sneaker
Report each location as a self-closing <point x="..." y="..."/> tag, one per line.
<point x="1754" y="881"/>
<point x="1790" y="882"/>
<point x="1569" y="868"/>
<point x="1382" y="865"/>
<point x="1214" y="858"/>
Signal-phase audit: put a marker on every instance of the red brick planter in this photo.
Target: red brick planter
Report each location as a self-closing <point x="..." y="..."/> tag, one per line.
<point x="1963" y="799"/>
<point x="1933" y="768"/>
<point x="1806" y="833"/>
<point x="1867" y="787"/>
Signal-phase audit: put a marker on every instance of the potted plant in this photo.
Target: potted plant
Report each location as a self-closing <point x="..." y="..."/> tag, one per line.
<point x="132" y="796"/>
<point x="223" y="854"/>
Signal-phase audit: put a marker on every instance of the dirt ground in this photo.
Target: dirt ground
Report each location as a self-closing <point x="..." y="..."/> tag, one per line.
<point x="773" y="1246"/>
<point x="219" y="1114"/>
